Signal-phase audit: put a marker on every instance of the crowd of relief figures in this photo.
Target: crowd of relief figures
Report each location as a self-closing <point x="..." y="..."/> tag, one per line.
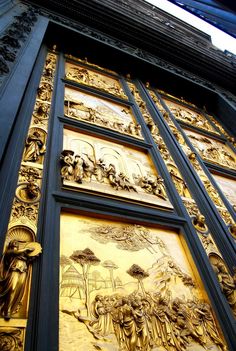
<point x="95" y="79"/>
<point x="128" y="287"/>
<point x="102" y="112"/>
<point x="213" y="150"/>
<point x="103" y="166"/>
<point x="189" y="116"/>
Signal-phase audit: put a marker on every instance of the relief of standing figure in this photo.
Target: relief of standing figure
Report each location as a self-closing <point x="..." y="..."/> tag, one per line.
<point x="34" y="147"/>
<point x="67" y="161"/>
<point x="78" y="169"/>
<point x="14" y="272"/>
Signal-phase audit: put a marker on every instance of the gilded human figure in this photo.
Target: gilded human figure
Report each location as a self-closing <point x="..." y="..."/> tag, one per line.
<point x="153" y="185"/>
<point x="34" y="147"/>
<point x="44" y="92"/>
<point x="67" y="161"/>
<point x="180" y="184"/>
<point x="212" y="192"/>
<point x="124" y="182"/>
<point x="111" y="174"/>
<point x="227" y="284"/>
<point x="100" y="170"/>
<point x="14" y="271"/>
<point x="78" y="169"/>
<point x="88" y="166"/>
<point x="101" y="311"/>
<point x="41" y="114"/>
<point x="199" y="223"/>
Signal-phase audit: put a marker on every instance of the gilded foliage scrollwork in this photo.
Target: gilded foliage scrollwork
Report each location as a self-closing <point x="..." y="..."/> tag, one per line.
<point x="11" y="339"/>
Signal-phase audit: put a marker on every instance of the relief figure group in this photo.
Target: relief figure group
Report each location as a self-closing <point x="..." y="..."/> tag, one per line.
<point x="80" y="168"/>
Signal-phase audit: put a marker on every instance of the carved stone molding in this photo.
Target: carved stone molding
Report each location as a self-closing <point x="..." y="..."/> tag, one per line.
<point x="140" y="53"/>
<point x="13" y="38"/>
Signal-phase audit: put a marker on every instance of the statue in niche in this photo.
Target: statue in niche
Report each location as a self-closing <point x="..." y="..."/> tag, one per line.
<point x="14" y="274"/>
<point x="227" y="282"/>
<point x="44" y="92"/>
<point x="193" y="159"/>
<point x="180" y="184"/>
<point x="177" y="135"/>
<point x="212" y="192"/>
<point x="34" y="147"/>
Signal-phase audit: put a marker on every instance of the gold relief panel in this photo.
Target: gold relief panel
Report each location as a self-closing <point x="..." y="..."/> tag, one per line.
<point x="95" y="79"/>
<point x="96" y="165"/>
<point x="102" y="112"/>
<point x="189" y="116"/>
<point x="130" y="287"/>
<point x="212" y="150"/>
<point x="228" y="187"/>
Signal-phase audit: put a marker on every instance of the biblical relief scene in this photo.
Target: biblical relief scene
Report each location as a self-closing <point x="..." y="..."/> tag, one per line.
<point x="129" y="287"/>
<point x="95" y="110"/>
<point x="228" y="187"/>
<point x="101" y="166"/>
<point x="95" y="79"/>
<point x="212" y="150"/>
<point x="189" y="116"/>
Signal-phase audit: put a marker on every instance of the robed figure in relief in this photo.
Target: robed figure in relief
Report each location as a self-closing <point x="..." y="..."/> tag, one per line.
<point x="14" y="271"/>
